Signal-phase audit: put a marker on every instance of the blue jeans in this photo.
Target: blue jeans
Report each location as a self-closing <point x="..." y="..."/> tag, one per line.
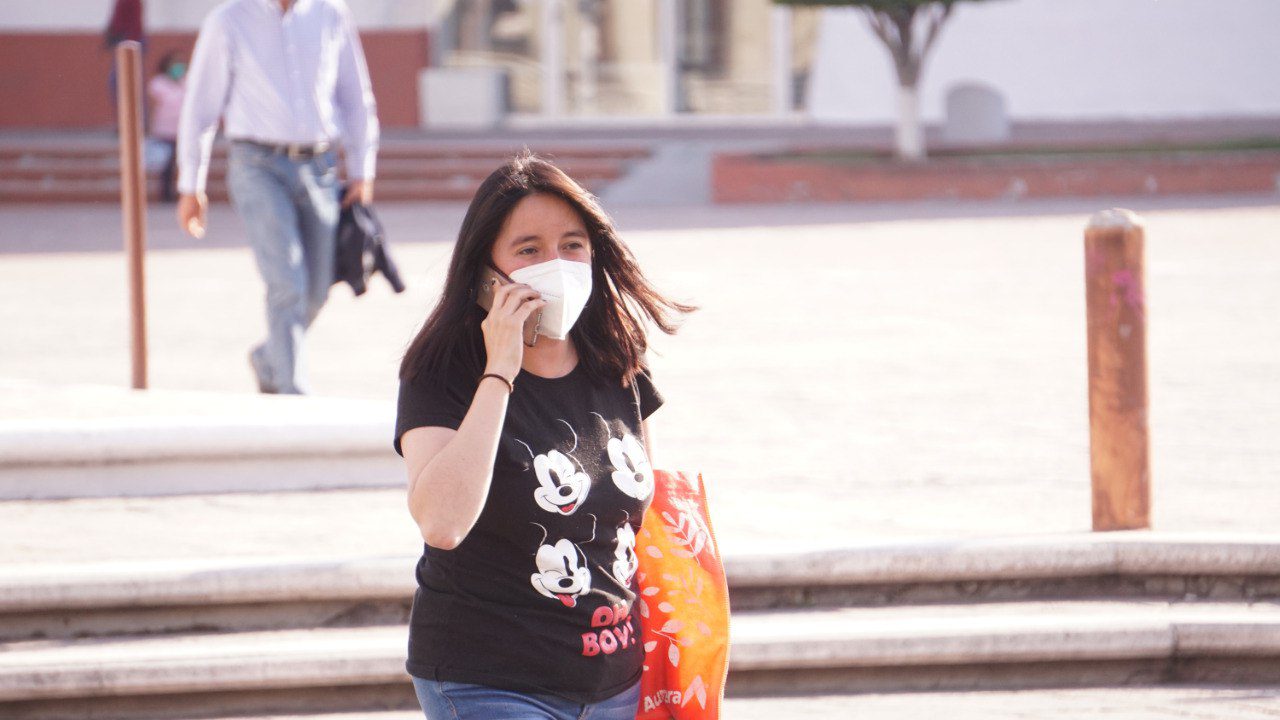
<point x="462" y="701"/>
<point x="290" y="211"/>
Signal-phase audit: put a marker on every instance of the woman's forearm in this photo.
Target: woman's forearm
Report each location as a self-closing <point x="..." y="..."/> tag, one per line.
<point x="448" y="493"/>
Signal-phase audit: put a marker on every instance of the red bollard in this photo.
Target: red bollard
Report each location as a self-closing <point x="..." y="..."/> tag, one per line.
<point x="133" y="197"/>
<point x="1119" y="441"/>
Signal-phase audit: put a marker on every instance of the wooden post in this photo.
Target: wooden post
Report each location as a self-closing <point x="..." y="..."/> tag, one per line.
<point x="1118" y="434"/>
<point x="133" y="197"/>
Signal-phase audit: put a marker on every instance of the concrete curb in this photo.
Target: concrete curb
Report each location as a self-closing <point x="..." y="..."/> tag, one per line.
<point x="157" y="439"/>
<point x="1029" y="632"/>
<point x="87" y="424"/>
<point x="203" y="663"/>
<point x="98" y="441"/>
<point x="202" y="582"/>
<point x="241" y="580"/>
<point x="1025" y="557"/>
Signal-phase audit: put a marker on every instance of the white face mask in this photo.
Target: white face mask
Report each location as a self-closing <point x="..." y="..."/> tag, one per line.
<point x="565" y="285"/>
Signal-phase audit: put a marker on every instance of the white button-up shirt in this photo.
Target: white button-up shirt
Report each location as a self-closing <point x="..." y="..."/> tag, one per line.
<point x="277" y="77"/>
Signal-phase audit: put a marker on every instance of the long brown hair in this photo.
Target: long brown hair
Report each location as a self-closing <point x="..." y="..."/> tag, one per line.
<point x="610" y="333"/>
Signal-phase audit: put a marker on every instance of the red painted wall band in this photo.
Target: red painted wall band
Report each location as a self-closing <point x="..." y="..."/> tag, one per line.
<point x="57" y="81"/>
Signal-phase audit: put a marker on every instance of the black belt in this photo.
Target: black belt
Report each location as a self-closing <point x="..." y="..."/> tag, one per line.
<point x="295" y="151"/>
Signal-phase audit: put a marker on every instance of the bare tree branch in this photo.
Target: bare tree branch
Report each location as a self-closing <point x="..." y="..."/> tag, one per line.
<point x="937" y="18"/>
<point x="878" y="26"/>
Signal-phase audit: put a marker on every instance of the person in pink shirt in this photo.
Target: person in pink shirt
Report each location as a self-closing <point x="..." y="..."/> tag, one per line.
<point x="165" y="90"/>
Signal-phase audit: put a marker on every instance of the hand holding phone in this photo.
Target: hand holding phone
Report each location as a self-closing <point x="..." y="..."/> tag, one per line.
<point x="490" y="288"/>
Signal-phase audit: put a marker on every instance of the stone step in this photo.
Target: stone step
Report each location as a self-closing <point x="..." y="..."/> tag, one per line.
<point x="987" y="633"/>
<point x="39" y="169"/>
<point x="153" y="665"/>
<point x="235" y="594"/>
<point x="232" y="594"/>
<point x="92" y="190"/>
<point x="49" y="174"/>
<point x="892" y="641"/>
<point x="107" y="189"/>
<point x="110" y="153"/>
<point x="273" y="443"/>
<point x="1117" y="564"/>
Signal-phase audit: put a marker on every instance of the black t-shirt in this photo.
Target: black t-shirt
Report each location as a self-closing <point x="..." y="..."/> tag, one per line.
<point x="538" y="597"/>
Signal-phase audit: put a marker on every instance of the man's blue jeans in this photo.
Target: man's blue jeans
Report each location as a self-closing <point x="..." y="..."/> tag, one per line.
<point x="290" y="211"/>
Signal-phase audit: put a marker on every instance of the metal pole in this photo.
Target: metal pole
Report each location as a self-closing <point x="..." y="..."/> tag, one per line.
<point x="1119" y="441"/>
<point x="133" y="197"/>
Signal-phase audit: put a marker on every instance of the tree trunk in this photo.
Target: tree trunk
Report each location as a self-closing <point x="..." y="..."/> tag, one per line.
<point x="909" y="134"/>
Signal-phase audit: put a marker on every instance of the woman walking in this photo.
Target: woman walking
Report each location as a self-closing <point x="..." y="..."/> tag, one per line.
<point x="522" y="419"/>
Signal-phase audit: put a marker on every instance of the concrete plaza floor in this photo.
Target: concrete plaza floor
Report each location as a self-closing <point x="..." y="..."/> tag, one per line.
<point x="856" y="373"/>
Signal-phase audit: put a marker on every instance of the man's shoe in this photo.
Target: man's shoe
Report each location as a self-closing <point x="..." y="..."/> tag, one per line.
<point x="259" y="372"/>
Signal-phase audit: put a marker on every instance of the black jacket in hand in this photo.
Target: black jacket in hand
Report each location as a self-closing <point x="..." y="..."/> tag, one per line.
<point x="361" y="250"/>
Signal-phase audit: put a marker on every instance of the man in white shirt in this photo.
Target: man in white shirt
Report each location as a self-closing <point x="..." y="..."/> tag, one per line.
<point x="287" y="78"/>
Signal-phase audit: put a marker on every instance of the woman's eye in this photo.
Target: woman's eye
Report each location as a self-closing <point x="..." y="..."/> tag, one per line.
<point x="526" y="251"/>
<point x="575" y="245"/>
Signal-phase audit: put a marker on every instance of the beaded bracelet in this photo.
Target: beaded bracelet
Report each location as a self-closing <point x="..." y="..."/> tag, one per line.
<point x="510" y="387"/>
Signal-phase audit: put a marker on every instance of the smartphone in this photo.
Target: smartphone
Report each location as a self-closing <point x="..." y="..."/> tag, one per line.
<point x="490" y="281"/>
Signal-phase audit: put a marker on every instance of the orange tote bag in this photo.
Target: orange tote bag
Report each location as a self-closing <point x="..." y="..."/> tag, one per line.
<point x="684" y="604"/>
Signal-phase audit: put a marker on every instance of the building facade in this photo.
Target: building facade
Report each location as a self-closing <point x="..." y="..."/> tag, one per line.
<point x="562" y="59"/>
<point x="54" y="66"/>
<point x="570" y="61"/>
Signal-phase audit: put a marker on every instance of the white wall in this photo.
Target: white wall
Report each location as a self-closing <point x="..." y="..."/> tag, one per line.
<point x="1069" y="59"/>
<point x="180" y="15"/>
